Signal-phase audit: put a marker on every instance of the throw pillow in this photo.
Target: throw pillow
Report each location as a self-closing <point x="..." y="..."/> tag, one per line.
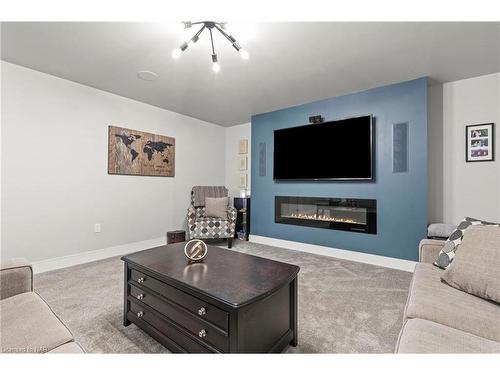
<point x="216" y="207"/>
<point x="450" y="247"/>
<point x="476" y="267"/>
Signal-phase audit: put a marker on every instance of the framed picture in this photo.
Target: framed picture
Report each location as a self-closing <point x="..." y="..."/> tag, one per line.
<point x="243" y="180"/>
<point x="134" y="152"/>
<point x="480" y="142"/>
<point x="243" y="163"/>
<point x="243" y="146"/>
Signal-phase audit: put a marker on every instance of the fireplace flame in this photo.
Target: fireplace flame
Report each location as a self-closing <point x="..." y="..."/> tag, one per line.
<point x="320" y="218"/>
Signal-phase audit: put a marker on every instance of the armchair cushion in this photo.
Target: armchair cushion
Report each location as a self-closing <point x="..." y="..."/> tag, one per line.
<point x="200" y="193"/>
<point x="216" y="207"/>
<point x="16" y="276"/>
<point x="207" y="227"/>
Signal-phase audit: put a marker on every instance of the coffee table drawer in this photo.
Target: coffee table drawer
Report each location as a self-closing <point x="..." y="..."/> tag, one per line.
<point x="143" y="317"/>
<point x="196" y="326"/>
<point x="204" y="310"/>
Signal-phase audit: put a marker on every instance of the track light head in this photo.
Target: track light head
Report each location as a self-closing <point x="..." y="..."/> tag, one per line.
<point x="187" y="24"/>
<point x="193" y="40"/>
<point x="236" y="46"/>
<point x="183" y="46"/>
<point x="215" y="63"/>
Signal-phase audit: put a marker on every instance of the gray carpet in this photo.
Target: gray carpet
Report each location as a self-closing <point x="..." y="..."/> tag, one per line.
<point x="344" y="307"/>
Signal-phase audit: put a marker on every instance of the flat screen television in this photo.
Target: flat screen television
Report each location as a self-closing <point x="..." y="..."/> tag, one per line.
<point x="334" y="150"/>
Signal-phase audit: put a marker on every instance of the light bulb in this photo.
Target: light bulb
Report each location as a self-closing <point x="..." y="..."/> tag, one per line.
<point x="244" y="54"/>
<point x="216" y="67"/>
<point x="176" y="53"/>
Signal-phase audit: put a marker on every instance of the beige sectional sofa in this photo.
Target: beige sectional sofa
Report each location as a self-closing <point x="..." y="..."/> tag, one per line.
<point x="442" y="319"/>
<point x="27" y="324"/>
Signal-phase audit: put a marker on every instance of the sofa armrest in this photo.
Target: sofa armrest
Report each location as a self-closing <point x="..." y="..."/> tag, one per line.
<point x="16" y="277"/>
<point x="428" y="250"/>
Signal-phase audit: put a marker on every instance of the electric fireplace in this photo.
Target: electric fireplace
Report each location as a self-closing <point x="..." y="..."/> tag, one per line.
<point x="348" y="214"/>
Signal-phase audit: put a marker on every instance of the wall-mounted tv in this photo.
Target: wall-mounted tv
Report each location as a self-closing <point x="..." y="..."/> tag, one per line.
<point x="334" y="150"/>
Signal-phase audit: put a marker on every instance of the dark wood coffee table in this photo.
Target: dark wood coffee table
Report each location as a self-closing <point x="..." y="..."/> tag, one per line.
<point x="228" y="303"/>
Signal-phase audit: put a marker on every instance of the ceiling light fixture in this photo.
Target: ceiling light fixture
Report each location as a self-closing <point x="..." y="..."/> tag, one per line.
<point x="221" y="27"/>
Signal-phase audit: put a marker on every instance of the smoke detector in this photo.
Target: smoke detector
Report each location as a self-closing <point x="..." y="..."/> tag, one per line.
<point x="147" y="75"/>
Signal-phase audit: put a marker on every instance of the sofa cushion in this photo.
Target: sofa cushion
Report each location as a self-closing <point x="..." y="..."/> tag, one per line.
<point x="28" y="325"/>
<point x="452" y="244"/>
<point x="424" y="336"/>
<point x="16" y="276"/>
<point x="428" y="250"/>
<point x="476" y="268"/>
<point x="68" y="348"/>
<point x="440" y="230"/>
<point x="432" y="299"/>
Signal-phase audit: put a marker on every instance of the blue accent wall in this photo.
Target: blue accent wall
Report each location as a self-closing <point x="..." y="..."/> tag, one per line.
<point x="401" y="197"/>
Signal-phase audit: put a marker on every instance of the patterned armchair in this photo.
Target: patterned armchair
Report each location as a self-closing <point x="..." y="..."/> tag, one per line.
<point x="203" y="227"/>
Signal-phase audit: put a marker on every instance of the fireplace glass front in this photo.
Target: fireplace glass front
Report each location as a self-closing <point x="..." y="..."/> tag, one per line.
<point x="349" y="214"/>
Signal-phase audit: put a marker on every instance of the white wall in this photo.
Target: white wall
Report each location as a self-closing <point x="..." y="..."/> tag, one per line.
<point x="233" y="136"/>
<point x="435" y="163"/>
<point x="457" y="188"/>
<point x="55" y="184"/>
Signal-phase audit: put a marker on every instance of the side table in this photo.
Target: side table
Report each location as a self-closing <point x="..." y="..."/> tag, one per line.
<point x="175" y="236"/>
<point x="242" y="206"/>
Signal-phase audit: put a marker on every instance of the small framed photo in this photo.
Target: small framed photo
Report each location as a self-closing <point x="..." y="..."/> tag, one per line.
<point x="243" y="163"/>
<point x="479" y="142"/>
<point x="243" y="146"/>
<point x="243" y="180"/>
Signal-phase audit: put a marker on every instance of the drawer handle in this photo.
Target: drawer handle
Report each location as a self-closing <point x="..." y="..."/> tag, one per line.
<point x="140" y="296"/>
<point x="140" y="280"/>
<point x="202" y="311"/>
<point x="140" y="314"/>
<point x="202" y="333"/>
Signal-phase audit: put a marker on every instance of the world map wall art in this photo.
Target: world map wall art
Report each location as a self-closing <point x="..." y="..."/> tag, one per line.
<point x="132" y="152"/>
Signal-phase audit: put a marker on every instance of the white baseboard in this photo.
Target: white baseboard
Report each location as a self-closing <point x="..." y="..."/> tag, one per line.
<point x="90" y="256"/>
<point x="378" y="260"/>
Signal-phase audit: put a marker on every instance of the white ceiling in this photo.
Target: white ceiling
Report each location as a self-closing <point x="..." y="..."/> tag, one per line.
<point x="290" y="63"/>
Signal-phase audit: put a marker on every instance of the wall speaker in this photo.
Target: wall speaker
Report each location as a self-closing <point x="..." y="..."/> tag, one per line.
<point x="262" y="159"/>
<point x="400" y="147"/>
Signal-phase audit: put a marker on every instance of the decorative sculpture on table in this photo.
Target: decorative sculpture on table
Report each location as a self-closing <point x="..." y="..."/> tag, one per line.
<point x="195" y="250"/>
